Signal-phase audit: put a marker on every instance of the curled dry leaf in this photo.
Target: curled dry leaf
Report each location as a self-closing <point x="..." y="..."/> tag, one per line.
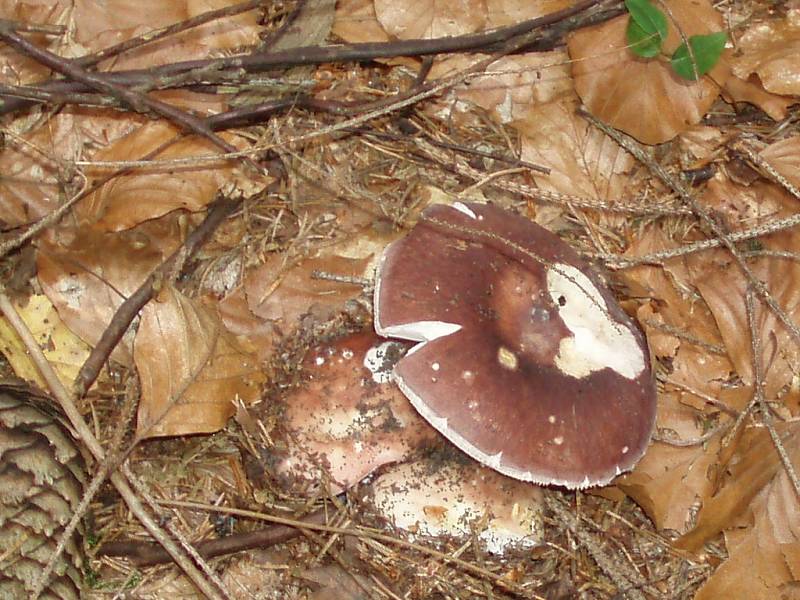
<point x="347" y="418"/>
<point x="191" y="370"/>
<point x="784" y="156"/>
<point x="673" y="477"/>
<point x="582" y="160"/>
<point x="436" y="498"/>
<point x="642" y="97"/>
<point x="740" y="90"/>
<point x="146" y="194"/>
<point x="100" y="24"/>
<point x="65" y="351"/>
<point x="723" y="287"/>
<point x="88" y="273"/>
<point x="31" y="185"/>
<point x="764" y="555"/>
<point x="770" y="50"/>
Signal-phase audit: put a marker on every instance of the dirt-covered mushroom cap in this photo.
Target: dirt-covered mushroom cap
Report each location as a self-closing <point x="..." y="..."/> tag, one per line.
<point x="346" y="420"/>
<point x="434" y="498"/>
<point x="525" y="360"/>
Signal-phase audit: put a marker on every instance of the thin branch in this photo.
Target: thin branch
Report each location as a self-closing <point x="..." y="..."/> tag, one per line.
<point x="134" y="100"/>
<point x="233" y="67"/>
<point x="146" y="554"/>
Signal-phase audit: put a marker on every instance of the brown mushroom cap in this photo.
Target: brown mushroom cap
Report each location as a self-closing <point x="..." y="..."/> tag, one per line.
<point x="526" y="362"/>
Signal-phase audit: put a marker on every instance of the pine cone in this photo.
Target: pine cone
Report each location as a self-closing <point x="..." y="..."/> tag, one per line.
<point x="42" y="476"/>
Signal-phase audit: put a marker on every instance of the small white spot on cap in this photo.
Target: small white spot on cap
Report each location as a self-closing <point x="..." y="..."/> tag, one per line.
<point x="347" y="354"/>
<point x="319" y="361"/>
<point x="435" y="366"/>
<point x="468" y="376"/>
<point x="507" y="358"/>
<point x="551" y="419"/>
<point x="558" y="440"/>
<point x="463" y="208"/>
<point x="625" y="449"/>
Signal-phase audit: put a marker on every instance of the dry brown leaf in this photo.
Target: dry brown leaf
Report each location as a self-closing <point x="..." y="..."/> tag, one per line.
<point x="88" y="273"/>
<point x="356" y="22"/>
<point x="146" y="194"/>
<point x="582" y="160"/>
<point x="760" y="502"/>
<point x="770" y="50"/>
<point x="32" y="178"/>
<point x="512" y="86"/>
<point x="100" y="24"/>
<point x="645" y="98"/>
<point x="723" y="287"/>
<point x="700" y="144"/>
<point x="741" y="90"/>
<point x="784" y="156"/>
<point x="191" y="371"/>
<point x="283" y="288"/>
<point x="21" y="70"/>
<point x="502" y="13"/>
<point x="426" y="19"/>
<point x="670" y="479"/>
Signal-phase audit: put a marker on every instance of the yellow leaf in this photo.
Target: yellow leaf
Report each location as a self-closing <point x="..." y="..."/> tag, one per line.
<point x="65" y="351"/>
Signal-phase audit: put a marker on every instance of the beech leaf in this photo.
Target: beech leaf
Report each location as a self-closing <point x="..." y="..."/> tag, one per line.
<point x="647" y="28"/>
<point x="706" y="50"/>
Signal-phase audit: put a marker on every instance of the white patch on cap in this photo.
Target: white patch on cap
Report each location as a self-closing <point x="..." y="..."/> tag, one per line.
<point x="375" y="362"/>
<point x="463" y="208"/>
<point x="597" y="342"/>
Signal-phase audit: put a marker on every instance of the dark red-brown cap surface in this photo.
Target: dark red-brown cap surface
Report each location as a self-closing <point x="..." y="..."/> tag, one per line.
<point x="526" y="363"/>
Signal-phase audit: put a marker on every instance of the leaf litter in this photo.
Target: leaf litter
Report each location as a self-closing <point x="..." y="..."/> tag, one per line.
<point x="712" y="509"/>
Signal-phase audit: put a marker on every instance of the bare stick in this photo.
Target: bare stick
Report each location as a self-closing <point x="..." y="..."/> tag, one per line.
<point x="135" y="100"/>
<point x="314" y="55"/>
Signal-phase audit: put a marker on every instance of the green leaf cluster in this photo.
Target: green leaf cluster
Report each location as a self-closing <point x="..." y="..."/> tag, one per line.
<point x="647" y="32"/>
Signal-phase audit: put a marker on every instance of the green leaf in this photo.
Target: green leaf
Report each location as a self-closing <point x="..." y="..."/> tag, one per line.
<point x="706" y="50"/>
<point x="647" y="28"/>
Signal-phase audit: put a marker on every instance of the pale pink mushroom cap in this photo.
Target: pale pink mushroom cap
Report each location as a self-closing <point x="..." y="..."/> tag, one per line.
<point x="347" y="419"/>
<point x="525" y="360"/>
